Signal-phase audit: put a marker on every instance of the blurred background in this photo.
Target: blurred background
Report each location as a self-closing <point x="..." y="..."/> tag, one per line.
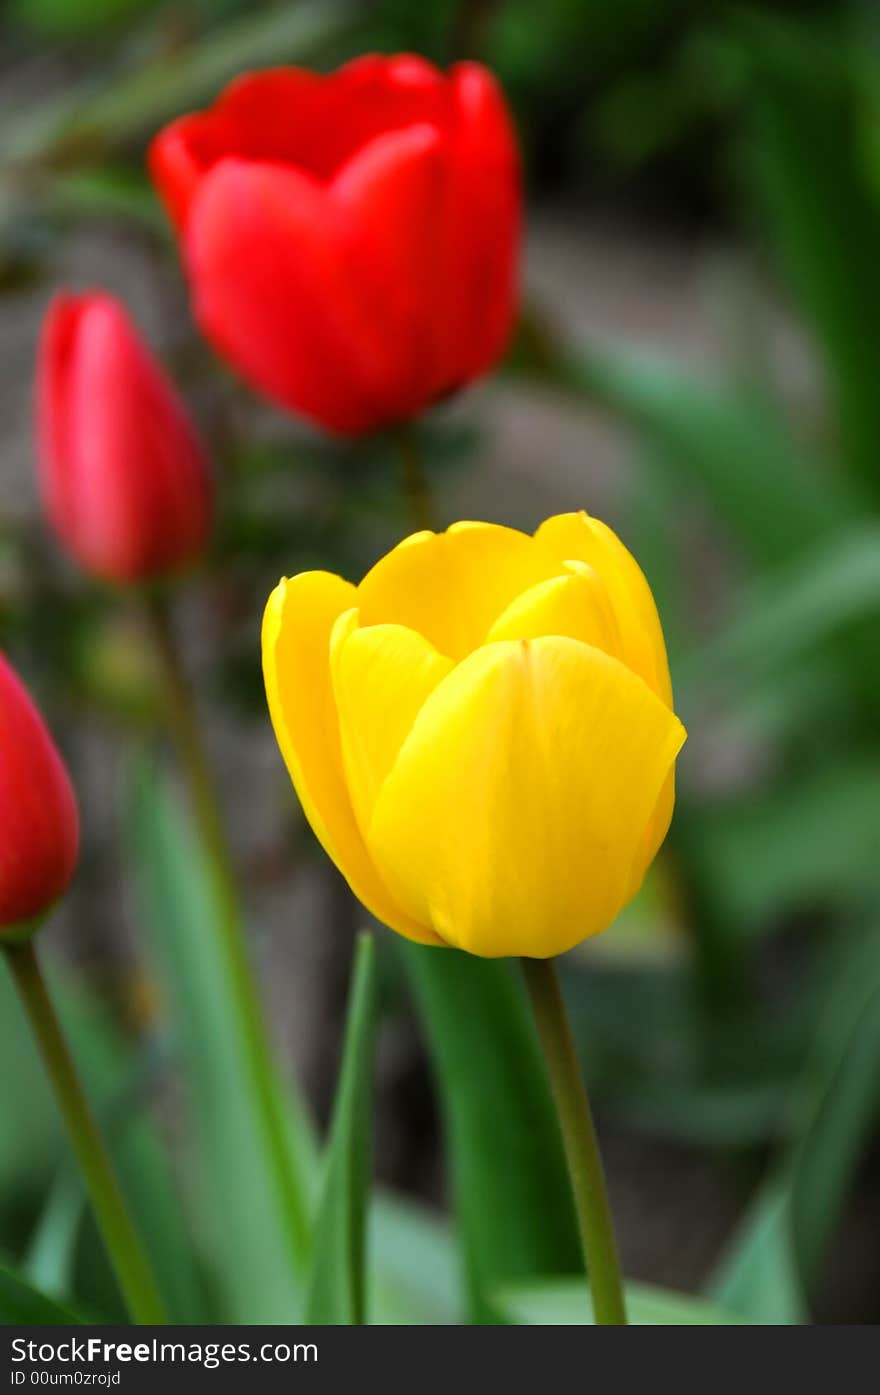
<point x="698" y="363"/>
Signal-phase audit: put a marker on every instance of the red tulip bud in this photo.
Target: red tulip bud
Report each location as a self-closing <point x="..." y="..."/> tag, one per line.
<point x="124" y="479"/>
<point x="351" y="241"/>
<point x="39" y="826"/>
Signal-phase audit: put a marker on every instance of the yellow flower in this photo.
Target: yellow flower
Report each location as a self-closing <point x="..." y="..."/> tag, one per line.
<point x="481" y="733"/>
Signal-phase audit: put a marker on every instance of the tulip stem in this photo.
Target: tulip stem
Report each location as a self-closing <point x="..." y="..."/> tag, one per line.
<point x="122" y="1241"/>
<point x="579" y="1138"/>
<point x="231" y="944"/>
<point x="414" y="478"/>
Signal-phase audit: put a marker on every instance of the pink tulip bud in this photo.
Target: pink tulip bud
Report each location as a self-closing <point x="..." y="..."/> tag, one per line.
<point x="39" y="826"/>
<point x="125" y="481"/>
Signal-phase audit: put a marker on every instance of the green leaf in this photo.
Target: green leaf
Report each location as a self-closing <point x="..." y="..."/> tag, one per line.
<point x="117" y="109"/>
<point x="811" y="182"/>
<point x="775" y="1257"/>
<point x="566" y="1302"/>
<point x="793" y="609"/>
<point x="725" y="440"/>
<point x="710" y="1114"/>
<point x="336" y="1290"/>
<point x="840" y="1103"/>
<point x="114" y="1078"/>
<point x="30" y="1131"/>
<point x="758" y="1277"/>
<point x="512" y="1193"/>
<point x="57" y="19"/>
<point x="22" y="1303"/>
<point x="105" y="191"/>
<point x="243" y="1226"/>
<point x="48" y="1262"/>
<point x="118" y="1078"/>
<point x="813" y="841"/>
<point x="415" y="1272"/>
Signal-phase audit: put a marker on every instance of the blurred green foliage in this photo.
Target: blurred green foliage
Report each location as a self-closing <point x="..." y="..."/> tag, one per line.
<point x="763" y="120"/>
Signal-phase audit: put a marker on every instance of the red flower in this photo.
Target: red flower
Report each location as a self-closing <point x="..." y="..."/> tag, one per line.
<point x="124" y="479"/>
<point x="352" y="240"/>
<point x="39" y="827"/>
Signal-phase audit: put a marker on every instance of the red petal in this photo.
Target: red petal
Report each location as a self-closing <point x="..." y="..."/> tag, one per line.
<point x="57" y="339"/>
<point x="411" y="182"/>
<point x="175" y="159"/>
<point x="125" y="481"/>
<point x="293" y="117"/>
<point x="391" y="196"/>
<point x="272" y="290"/>
<point x="39" y="826"/>
<point x="485" y="214"/>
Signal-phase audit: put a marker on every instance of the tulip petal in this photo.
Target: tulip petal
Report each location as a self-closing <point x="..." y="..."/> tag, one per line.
<point x="515" y="813"/>
<point x="482" y="234"/>
<point x="658" y="827"/>
<point x="376" y="94"/>
<point x="260" y="116"/>
<point x="381" y="678"/>
<point x="391" y="195"/>
<point x="578" y="536"/>
<point x="39" y="824"/>
<point x="575" y="605"/>
<point x="290" y="116"/>
<point x="177" y="158"/>
<point x="274" y="114"/>
<point x="273" y="291"/>
<point x="451" y="586"/>
<point x="352" y="240"/>
<point x="297" y="625"/>
<point x="124" y="478"/>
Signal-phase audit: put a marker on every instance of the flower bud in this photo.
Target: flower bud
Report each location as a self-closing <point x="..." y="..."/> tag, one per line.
<point x="124" y="479"/>
<point x="39" y="826"/>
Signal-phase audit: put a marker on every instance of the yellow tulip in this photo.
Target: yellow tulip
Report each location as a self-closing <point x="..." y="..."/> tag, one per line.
<point x="481" y="733"/>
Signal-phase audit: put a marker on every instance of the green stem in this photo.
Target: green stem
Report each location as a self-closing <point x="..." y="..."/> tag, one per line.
<point x="414" y="479"/>
<point x="183" y="721"/>
<point x="579" y="1137"/>
<point x="120" y="1237"/>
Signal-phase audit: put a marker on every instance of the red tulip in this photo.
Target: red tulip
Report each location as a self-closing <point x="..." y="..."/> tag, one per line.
<point x="124" y="479"/>
<point x="39" y="827"/>
<point x="352" y="240"/>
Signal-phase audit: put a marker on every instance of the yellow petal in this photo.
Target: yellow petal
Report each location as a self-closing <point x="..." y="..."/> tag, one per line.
<point x="576" y="605"/>
<point x="381" y="677"/>
<point x="515" y="815"/>
<point x="655" y="833"/>
<point x="299" y="617"/>
<point x="451" y="586"/>
<point x="578" y="536"/>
